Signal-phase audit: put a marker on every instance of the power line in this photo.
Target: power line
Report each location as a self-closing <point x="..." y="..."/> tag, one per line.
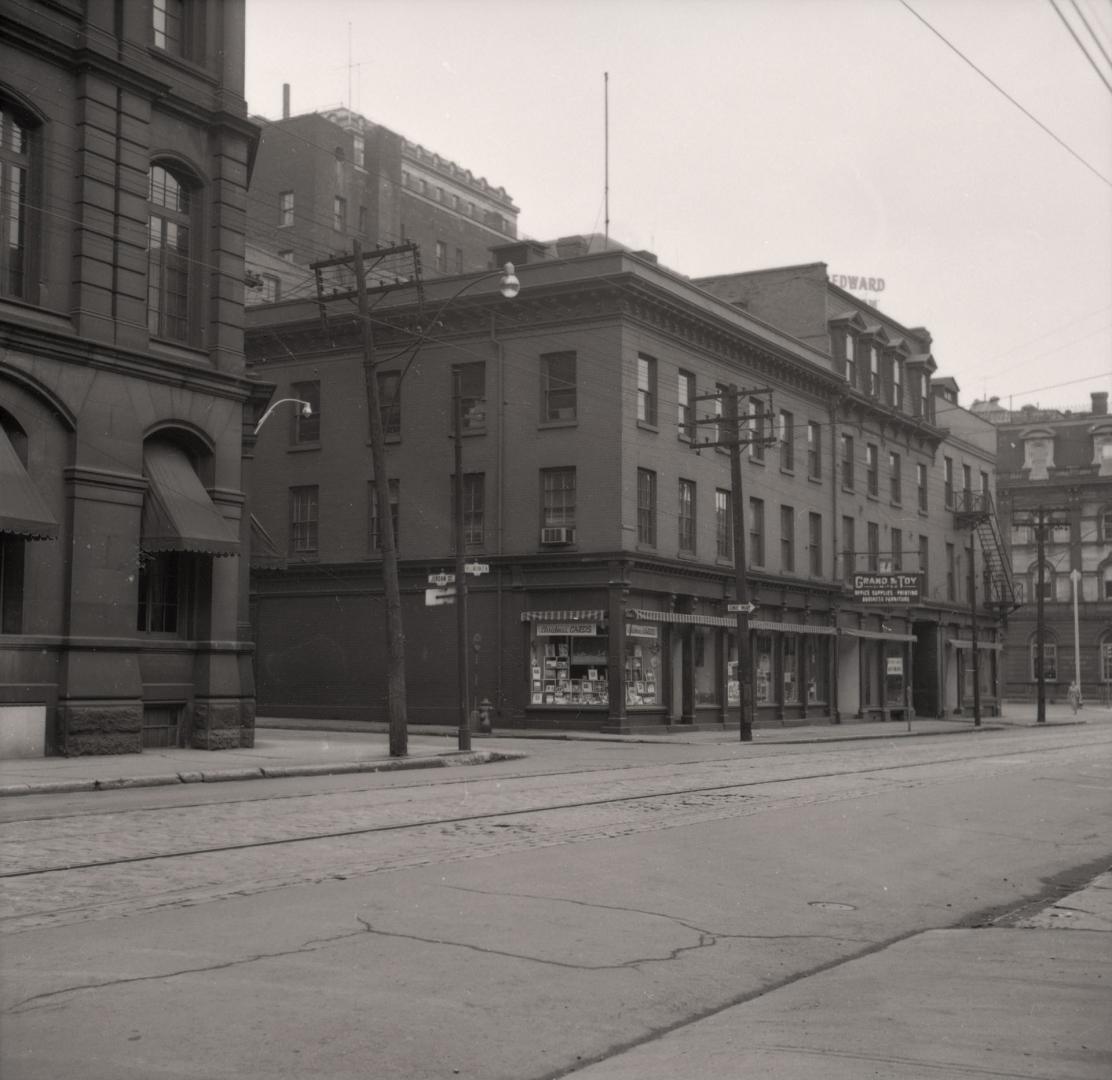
<point x="950" y="45"/>
<point x="1079" y="43"/>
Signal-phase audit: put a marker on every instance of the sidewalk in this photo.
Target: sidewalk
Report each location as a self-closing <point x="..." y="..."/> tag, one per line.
<point x="1027" y="997"/>
<point x="323" y="747"/>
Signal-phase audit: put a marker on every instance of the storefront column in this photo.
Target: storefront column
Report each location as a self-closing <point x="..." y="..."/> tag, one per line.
<point x="722" y="674"/>
<point x="687" y="670"/>
<point x="617" y="596"/>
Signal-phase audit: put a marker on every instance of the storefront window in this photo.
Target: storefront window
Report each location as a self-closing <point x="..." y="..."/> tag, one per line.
<point x="893" y="676"/>
<point x="762" y="663"/>
<point x="791" y="669"/>
<point x="568" y="664"/>
<point x="642" y="673"/>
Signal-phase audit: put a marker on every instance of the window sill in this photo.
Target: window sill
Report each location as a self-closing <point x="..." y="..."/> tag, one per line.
<point x="301" y="448"/>
<point x="814" y="479"/>
<point x="547" y="424"/>
<point x="648" y="548"/>
<point x="644" y="425"/>
<point x="871" y="497"/>
<point x="182" y="351"/>
<point x="193" y="67"/>
<point x="787" y="470"/>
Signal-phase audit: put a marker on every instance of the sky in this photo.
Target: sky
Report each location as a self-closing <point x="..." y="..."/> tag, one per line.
<point x="746" y="134"/>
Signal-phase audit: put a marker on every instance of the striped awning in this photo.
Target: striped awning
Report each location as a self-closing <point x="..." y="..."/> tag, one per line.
<point x="790" y="628"/>
<point x="877" y="635"/>
<point x="965" y="643"/>
<point x="595" y="615"/>
<point x="685" y="618"/>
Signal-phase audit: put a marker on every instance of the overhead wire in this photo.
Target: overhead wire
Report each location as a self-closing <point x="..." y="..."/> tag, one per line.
<point x="1080" y="44"/>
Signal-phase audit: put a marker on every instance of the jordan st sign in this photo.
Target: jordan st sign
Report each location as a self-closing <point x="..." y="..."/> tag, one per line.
<point x="887" y="588"/>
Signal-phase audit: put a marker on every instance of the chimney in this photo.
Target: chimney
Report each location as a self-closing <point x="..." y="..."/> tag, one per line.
<point x="1100" y="403"/>
<point x="285" y="101"/>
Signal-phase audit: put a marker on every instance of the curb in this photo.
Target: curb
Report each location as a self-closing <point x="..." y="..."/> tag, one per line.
<point x="264" y="772"/>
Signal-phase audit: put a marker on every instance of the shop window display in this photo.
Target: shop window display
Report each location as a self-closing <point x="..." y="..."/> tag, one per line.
<point x="642" y="674"/>
<point x="569" y="669"/>
<point x="706" y="670"/>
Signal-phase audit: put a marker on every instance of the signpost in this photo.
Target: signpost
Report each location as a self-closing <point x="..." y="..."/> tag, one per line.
<point x="737" y="609"/>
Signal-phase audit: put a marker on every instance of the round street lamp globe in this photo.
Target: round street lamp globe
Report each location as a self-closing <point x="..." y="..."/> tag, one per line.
<point x="509" y="286"/>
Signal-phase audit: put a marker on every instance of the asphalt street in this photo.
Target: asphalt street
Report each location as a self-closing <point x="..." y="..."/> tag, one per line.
<point x="582" y="908"/>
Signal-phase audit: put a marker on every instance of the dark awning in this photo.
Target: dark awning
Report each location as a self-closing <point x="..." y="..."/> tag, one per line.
<point x="22" y="509"/>
<point x="178" y="515"/>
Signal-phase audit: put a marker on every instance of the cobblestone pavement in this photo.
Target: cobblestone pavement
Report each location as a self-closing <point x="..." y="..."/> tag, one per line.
<point x="118" y="863"/>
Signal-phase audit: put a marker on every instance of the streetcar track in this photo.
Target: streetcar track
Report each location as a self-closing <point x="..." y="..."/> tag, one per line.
<point x="463" y="819"/>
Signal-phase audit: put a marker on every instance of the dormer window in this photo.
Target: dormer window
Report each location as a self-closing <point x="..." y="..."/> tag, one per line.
<point x="1038" y="453"/>
<point x="851" y="359"/>
<point x="1102" y="448"/>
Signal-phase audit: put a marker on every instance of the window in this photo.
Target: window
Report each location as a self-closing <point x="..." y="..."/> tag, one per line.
<point x="390" y="402"/>
<point x="558" y="386"/>
<point x="723" y="524"/>
<point x="358" y="151"/>
<point x="459" y="260"/>
<point x="286" y="256"/>
<point x="306" y="429"/>
<point x="948" y="482"/>
<point x="15" y="172"/>
<point x="787" y="539"/>
<point x="984" y="482"/>
<point x="271" y="288"/>
<point x="924" y="564"/>
<point x="168" y="262"/>
<point x="757" y="423"/>
<point x="814" y="543"/>
<point x="897" y="550"/>
<point x="474" y="490"/>
<point x="897" y="382"/>
<point x="304" y="519"/>
<point x="646" y="507"/>
<point x="285" y="209"/>
<point x="814" y="451"/>
<point x="874" y="371"/>
<point x="850" y="371"/>
<point x="646" y="390"/>
<point x="849" y="549"/>
<point x="966" y="486"/>
<point x="439" y="194"/>
<point x="1048" y="591"/>
<point x="786" y="436"/>
<point x="872" y="469"/>
<point x="362" y="221"/>
<point x="756" y="532"/>
<point x="687" y="516"/>
<point x="455" y="202"/>
<point x="441" y="256"/>
<point x="557" y="498"/>
<point x="895" y="477"/>
<point x="721" y="428"/>
<point x="375" y="530"/>
<point x="168" y="24"/>
<point x="1106" y="660"/>
<point x="1050" y="660"/>
<point x="685" y="405"/>
<point x="847" y="462"/>
<point x="163" y="592"/>
<point x="921" y="484"/>
<point x="472" y="394"/>
<point x="951" y="571"/>
<point x="339" y="214"/>
<point x="872" y="539"/>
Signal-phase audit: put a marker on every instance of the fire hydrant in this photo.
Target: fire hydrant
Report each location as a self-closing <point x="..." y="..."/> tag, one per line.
<point x="486" y="710"/>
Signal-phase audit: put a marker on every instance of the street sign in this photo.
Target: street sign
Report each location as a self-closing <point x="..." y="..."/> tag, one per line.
<point x="439" y="597"/>
<point x="736" y="609"/>
<point x="442" y="579"/>
<point x="476" y="568"/>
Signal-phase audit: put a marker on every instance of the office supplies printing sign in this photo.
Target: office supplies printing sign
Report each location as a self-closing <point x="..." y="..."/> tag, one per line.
<point x="887" y="588"/>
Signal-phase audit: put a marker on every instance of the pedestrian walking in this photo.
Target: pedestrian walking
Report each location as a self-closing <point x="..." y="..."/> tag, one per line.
<point x="1074" y="696"/>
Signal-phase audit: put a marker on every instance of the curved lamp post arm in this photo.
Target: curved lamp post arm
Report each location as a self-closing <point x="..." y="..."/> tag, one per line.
<point x="306" y="409"/>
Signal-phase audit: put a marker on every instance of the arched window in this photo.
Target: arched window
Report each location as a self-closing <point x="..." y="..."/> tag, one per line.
<point x="15" y="180"/>
<point x="169" y="266"/>
<point x="1050" y="657"/>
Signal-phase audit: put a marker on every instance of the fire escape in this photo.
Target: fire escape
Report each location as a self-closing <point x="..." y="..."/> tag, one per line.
<point x="974" y="510"/>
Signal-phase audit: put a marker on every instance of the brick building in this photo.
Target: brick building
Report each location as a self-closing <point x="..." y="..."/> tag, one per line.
<point x="124" y="159"/>
<point x="1061" y="461"/>
<point x="323" y="178"/>
<point x="607" y="533"/>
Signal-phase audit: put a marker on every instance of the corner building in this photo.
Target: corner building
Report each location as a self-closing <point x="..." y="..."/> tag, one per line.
<point x="607" y="532"/>
<point x="124" y="159"/>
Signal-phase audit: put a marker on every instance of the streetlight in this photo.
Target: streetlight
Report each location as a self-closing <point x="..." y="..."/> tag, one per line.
<point x="395" y="676"/>
<point x="306" y="410"/>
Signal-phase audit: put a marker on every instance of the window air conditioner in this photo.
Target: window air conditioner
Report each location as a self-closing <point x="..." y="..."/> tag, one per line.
<point x="557" y="536"/>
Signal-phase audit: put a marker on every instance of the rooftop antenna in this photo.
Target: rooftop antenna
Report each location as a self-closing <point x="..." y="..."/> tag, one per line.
<point x="606" y="158"/>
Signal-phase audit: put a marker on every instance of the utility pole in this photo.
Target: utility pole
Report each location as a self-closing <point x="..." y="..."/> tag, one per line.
<point x="1041" y="519"/>
<point x="973" y="629"/>
<point x="461" y="559"/>
<point x="396" y="267"/>
<point x="731" y="435"/>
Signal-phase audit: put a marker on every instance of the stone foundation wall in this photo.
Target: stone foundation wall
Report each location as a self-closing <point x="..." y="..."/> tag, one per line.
<point x="99" y="729"/>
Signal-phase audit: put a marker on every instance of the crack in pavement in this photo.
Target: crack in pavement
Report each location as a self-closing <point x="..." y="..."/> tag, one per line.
<point x="27" y="1004"/>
